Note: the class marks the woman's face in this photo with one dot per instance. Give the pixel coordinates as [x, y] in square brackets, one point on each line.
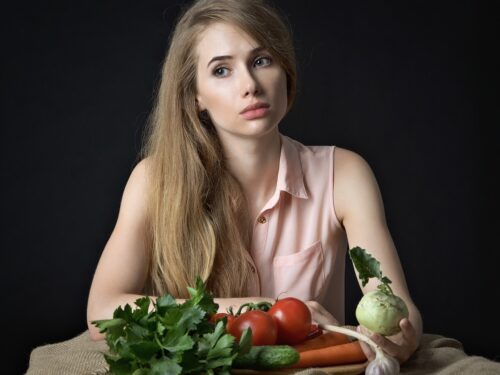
[235, 72]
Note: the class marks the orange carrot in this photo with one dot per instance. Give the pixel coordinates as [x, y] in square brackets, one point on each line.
[333, 355]
[322, 341]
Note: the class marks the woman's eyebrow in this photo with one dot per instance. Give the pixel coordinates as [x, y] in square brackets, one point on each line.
[218, 58]
[228, 57]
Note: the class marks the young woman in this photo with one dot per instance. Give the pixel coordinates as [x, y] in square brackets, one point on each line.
[221, 193]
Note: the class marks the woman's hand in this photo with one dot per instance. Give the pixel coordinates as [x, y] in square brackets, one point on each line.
[400, 346]
[320, 315]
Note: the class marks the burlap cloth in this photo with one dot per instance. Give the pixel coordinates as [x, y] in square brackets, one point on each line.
[82, 356]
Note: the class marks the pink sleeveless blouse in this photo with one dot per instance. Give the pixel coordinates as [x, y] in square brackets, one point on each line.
[298, 245]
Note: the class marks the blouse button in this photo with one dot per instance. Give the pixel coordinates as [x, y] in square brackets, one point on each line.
[262, 220]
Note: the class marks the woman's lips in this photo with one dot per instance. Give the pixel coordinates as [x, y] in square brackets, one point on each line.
[252, 114]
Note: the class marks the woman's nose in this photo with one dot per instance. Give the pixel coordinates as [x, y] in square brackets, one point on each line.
[249, 83]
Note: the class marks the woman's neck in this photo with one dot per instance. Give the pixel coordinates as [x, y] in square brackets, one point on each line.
[254, 162]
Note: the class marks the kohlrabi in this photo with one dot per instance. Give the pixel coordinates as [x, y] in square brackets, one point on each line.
[380, 310]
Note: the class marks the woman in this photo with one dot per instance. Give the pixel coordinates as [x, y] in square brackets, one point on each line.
[220, 193]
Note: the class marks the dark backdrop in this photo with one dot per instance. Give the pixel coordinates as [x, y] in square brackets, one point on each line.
[397, 83]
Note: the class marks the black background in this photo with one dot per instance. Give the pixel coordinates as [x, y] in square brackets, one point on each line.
[397, 83]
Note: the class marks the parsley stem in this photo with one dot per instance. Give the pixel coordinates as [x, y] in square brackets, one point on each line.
[159, 344]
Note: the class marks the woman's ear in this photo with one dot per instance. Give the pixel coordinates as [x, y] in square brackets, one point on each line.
[200, 105]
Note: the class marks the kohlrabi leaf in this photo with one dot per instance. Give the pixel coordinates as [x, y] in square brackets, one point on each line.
[368, 267]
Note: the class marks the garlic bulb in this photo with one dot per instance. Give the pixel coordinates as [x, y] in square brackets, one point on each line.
[383, 364]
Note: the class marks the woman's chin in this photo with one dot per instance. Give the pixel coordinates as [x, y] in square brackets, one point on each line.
[249, 129]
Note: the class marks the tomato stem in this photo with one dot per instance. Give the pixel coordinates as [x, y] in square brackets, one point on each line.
[238, 313]
[263, 306]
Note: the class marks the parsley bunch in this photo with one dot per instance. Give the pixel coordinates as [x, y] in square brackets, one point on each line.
[172, 338]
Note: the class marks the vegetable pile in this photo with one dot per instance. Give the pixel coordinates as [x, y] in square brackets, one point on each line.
[190, 338]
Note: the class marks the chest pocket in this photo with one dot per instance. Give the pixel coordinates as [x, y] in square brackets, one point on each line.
[301, 274]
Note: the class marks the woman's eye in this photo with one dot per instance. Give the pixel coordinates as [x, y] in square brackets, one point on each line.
[221, 72]
[263, 61]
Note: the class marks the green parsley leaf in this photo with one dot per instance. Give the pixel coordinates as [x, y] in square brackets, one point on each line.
[119, 366]
[113, 326]
[178, 343]
[199, 297]
[163, 303]
[245, 341]
[123, 313]
[142, 371]
[144, 350]
[191, 363]
[191, 316]
[143, 308]
[165, 366]
[222, 348]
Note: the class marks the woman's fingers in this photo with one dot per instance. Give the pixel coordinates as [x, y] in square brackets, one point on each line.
[389, 347]
[408, 339]
[367, 349]
[400, 346]
[321, 315]
[409, 333]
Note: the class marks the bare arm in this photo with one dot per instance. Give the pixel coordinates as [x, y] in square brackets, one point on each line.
[360, 209]
[121, 272]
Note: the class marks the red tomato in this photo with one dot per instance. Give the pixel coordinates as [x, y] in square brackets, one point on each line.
[264, 330]
[218, 316]
[293, 319]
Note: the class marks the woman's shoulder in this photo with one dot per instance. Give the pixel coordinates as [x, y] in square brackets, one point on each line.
[342, 155]
[349, 161]
[140, 171]
[354, 182]
[351, 171]
[347, 164]
[136, 187]
[142, 165]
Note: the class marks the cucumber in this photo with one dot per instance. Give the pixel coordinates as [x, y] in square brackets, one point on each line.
[267, 357]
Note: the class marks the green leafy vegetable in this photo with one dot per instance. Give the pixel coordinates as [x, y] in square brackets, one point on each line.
[378, 310]
[369, 267]
[245, 342]
[172, 338]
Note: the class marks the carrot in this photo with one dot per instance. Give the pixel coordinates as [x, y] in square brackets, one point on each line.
[333, 355]
[322, 341]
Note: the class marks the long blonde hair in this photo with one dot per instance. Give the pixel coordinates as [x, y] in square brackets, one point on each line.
[197, 213]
